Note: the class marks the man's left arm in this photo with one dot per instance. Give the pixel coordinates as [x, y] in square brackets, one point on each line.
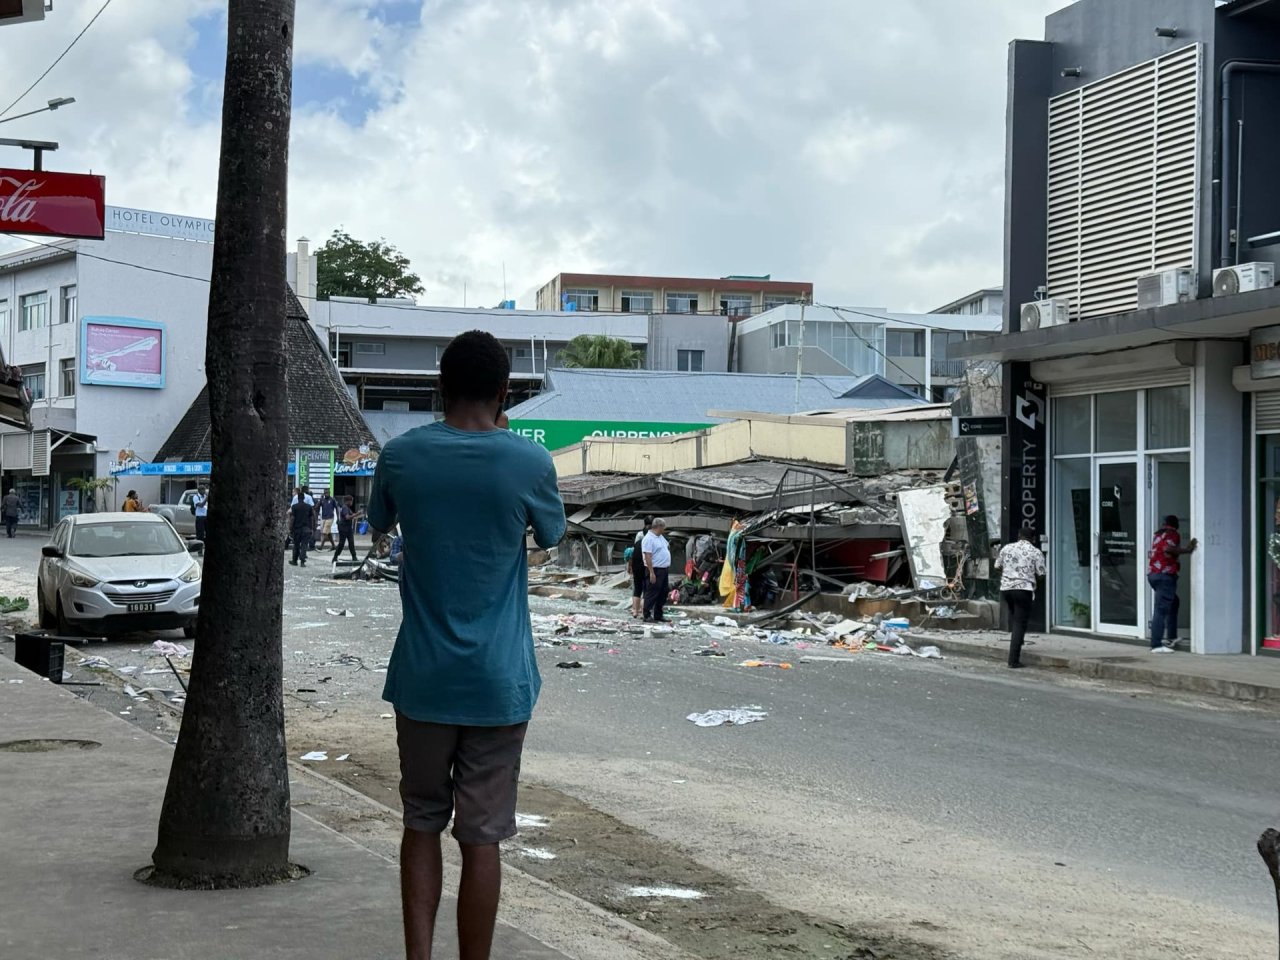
[546, 511]
[381, 511]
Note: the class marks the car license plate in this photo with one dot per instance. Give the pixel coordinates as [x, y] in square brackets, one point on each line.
[142, 608]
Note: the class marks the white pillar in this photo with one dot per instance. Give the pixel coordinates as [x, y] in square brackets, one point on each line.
[1218, 616]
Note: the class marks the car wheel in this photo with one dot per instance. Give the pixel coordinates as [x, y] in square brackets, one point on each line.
[65, 626]
[189, 631]
[47, 620]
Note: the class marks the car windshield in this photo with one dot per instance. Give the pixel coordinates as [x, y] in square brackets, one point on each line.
[124, 539]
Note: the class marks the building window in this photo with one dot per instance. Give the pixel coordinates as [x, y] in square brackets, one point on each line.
[33, 380]
[374, 349]
[779, 300]
[779, 333]
[70, 312]
[580, 300]
[904, 343]
[690, 361]
[637, 301]
[682, 303]
[35, 310]
[344, 355]
[943, 366]
[67, 369]
[736, 304]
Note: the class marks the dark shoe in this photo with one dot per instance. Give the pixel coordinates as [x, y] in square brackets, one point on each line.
[1016, 666]
[293, 563]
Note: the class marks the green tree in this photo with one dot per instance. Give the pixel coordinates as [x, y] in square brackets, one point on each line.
[347, 267]
[595, 352]
[225, 817]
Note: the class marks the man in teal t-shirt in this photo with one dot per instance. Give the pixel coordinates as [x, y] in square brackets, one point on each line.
[462, 675]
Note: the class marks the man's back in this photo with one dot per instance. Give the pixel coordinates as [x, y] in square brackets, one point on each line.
[464, 654]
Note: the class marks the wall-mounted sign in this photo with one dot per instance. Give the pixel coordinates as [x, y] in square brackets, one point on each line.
[122, 352]
[314, 467]
[555, 434]
[156, 224]
[357, 462]
[133, 467]
[52, 204]
[1264, 353]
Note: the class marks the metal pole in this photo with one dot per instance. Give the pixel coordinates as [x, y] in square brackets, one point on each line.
[799, 359]
[1239, 245]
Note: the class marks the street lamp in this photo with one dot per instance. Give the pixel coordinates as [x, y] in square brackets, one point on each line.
[54, 104]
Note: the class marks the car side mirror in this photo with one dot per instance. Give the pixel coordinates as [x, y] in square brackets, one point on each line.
[49, 550]
[196, 547]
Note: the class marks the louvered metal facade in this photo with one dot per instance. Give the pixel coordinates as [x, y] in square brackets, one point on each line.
[1123, 182]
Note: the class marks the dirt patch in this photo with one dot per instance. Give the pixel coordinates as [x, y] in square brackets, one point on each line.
[661, 888]
[47, 746]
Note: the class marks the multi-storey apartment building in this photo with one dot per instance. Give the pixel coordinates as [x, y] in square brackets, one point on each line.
[735, 296]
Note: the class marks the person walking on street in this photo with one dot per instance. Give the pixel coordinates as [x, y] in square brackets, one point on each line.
[657, 564]
[1163, 567]
[639, 576]
[328, 510]
[11, 507]
[302, 517]
[200, 507]
[463, 677]
[346, 532]
[1020, 564]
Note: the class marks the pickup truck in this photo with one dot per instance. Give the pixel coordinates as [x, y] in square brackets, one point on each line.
[179, 514]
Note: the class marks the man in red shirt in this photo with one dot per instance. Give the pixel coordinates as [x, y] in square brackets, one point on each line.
[1163, 566]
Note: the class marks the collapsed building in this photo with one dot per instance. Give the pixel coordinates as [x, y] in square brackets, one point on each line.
[864, 502]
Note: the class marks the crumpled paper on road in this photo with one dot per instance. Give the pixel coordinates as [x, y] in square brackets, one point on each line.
[734, 716]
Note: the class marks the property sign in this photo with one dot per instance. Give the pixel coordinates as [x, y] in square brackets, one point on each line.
[122, 352]
[556, 434]
[52, 204]
[1264, 353]
[979, 426]
[155, 224]
[1026, 462]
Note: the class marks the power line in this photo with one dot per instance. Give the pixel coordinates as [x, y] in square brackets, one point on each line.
[854, 331]
[37, 80]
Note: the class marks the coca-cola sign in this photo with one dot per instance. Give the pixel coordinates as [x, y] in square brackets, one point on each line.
[52, 204]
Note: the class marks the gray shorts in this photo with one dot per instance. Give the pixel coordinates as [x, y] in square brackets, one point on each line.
[469, 773]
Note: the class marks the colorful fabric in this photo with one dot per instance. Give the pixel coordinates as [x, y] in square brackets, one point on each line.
[1020, 564]
[1160, 560]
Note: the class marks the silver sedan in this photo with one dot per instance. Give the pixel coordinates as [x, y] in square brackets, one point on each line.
[116, 572]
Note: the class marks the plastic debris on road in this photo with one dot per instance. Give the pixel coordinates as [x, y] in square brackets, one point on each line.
[536, 853]
[765, 663]
[665, 893]
[723, 621]
[164, 648]
[734, 716]
[531, 821]
[315, 755]
[570, 665]
[338, 613]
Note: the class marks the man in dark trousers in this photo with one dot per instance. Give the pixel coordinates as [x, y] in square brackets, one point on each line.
[11, 508]
[346, 528]
[328, 511]
[1164, 563]
[200, 510]
[302, 526]
[462, 676]
[657, 563]
[1020, 564]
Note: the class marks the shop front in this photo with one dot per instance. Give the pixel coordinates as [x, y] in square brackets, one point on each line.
[1260, 380]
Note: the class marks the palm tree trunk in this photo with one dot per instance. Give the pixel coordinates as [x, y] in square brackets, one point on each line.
[225, 819]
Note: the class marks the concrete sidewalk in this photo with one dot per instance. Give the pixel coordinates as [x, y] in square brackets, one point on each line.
[1237, 677]
[79, 819]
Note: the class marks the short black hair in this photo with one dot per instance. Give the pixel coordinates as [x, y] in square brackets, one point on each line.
[474, 367]
[1026, 533]
[1171, 521]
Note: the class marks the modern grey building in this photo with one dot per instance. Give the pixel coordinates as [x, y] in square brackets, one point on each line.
[1142, 328]
[914, 350]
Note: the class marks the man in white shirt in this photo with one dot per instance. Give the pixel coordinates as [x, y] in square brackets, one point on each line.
[1020, 564]
[200, 508]
[657, 563]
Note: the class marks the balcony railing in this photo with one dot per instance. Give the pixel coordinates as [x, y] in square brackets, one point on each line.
[953, 369]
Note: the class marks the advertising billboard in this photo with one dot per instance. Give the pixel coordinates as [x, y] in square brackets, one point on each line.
[122, 352]
[556, 434]
[52, 204]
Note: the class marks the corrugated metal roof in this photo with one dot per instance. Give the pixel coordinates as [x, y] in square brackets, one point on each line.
[652, 396]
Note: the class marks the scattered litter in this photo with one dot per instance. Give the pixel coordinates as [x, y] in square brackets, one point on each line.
[96, 663]
[345, 756]
[16, 680]
[723, 621]
[338, 613]
[929, 653]
[665, 893]
[679, 781]
[315, 755]
[305, 690]
[712, 632]
[165, 648]
[531, 821]
[127, 671]
[813, 658]
[570, 665]
[765, 663]
[736, 716]
[386, 716]
[536, 853]
[710, 653]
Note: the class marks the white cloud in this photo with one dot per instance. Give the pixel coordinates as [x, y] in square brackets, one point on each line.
[856, 144]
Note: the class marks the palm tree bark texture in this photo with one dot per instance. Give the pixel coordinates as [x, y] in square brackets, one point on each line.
[225, 819]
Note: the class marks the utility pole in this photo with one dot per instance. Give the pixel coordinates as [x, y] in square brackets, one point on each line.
[799, 359]
[225, 817]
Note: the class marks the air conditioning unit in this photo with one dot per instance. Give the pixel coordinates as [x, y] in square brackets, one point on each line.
[1044, 313]
[1159, 289]
[1242, 278]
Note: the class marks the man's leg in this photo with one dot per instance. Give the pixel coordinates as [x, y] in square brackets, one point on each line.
[1019, 602]
[351, 543]
[421, 877]
[660, 594]
[202, 525]
[648, 597]
[1160, 609]
[294, 560]
[486, 775]
[1171, 617]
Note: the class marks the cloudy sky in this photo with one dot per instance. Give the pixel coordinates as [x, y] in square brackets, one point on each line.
[854, 143]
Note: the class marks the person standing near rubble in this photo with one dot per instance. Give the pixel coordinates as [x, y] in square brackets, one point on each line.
[657, 563]
[302, 520]
[200, 510]
[11, 507]
[346, 528]
[639, 576]
[463, 677]
[1020, 564]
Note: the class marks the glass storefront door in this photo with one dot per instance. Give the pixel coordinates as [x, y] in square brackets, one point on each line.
[1116, 552]
[1171, 496]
